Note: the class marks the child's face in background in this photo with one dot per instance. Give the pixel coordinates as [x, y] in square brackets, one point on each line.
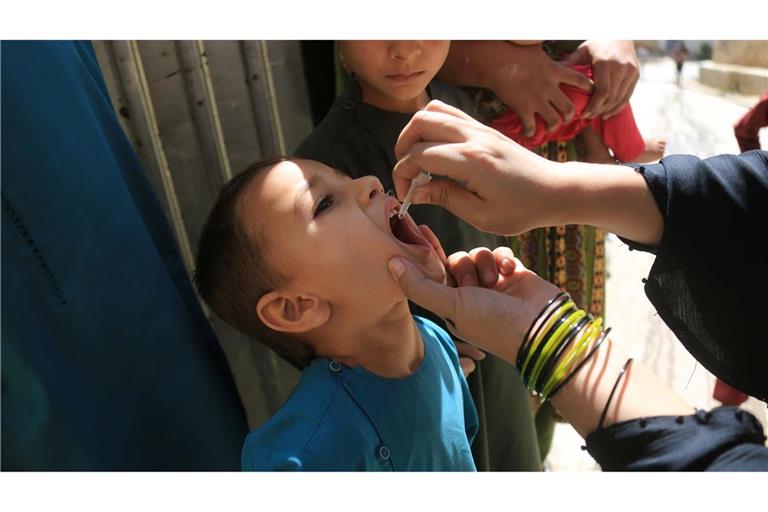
[330, 235]
[393, 73]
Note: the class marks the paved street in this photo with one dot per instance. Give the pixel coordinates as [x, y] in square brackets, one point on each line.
[694, 120]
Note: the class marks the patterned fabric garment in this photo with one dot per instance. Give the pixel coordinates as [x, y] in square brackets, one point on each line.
[572, 257]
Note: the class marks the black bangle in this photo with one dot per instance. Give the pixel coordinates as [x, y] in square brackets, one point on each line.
[550, 365]
[581, 364]
[548, 309]
[610, 397]
[538, 322]
[544, 339]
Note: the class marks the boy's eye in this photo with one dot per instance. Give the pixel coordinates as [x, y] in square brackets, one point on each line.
[325, 203]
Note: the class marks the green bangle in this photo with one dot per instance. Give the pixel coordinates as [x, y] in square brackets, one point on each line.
[533, 331]
[590, 335]
[561, 311]
[563, 348]
[553, 342]
[542, 341]
[580, 365]
[566, 357]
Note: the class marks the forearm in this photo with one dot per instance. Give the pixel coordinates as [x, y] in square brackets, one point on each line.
[581, 401]
[610, 197]
[640, 393]
[475, 63]
[583, 398]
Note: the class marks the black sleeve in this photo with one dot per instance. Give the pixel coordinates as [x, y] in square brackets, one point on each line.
[710, 278]
[724, 439]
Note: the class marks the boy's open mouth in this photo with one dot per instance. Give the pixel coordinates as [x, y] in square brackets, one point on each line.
[406, 230]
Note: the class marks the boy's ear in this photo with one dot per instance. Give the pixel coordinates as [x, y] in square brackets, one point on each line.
[291, 312]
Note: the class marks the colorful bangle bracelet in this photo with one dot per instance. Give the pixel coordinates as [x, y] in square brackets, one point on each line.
[552, 342]
[536, 325]
[579, 347]
[561, 367]
[536, 344]
[591, 353]
[552, 325]
[548, 372]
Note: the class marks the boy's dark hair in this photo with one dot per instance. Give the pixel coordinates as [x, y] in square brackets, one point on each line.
[233, 271]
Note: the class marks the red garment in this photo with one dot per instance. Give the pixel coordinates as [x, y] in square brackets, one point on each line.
[620, 133]
[747, 127]
[727, 395]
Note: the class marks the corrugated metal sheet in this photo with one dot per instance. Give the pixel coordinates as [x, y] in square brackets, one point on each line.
[198, 112]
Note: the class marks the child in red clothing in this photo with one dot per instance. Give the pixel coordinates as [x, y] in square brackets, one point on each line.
[618, 133]
[747, 128]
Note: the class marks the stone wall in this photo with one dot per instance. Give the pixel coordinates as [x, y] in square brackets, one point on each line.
[737, 66]
[741, 53]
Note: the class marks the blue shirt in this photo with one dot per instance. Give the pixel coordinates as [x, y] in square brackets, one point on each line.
[348, 419]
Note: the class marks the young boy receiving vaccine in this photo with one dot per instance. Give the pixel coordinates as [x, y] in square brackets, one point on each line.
[390, 81]
[295, 254]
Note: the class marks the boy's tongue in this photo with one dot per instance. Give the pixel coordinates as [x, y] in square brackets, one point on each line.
[408, 232]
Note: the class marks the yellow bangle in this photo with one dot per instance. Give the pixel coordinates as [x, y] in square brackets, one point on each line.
[591, 333]
[573, 342]
[579, 347]
[553, 342]
[544, 330]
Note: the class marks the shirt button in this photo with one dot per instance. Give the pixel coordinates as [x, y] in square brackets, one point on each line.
[383, 453]
[334, 366]
[348, 104]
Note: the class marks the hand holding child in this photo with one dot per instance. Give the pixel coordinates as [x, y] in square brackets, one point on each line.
[615, 71]
[494, 317]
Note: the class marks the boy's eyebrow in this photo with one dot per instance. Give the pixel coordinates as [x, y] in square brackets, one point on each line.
[310, 184]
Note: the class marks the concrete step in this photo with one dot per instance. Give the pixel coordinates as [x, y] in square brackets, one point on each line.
[730, 77]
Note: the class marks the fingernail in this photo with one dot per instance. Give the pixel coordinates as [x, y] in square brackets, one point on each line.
[482, 356]
[489, 277]
[507, 266]
[396, 268]
[467, 281]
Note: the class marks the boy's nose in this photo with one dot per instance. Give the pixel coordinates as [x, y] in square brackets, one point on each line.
[405, 50]
[367, 188]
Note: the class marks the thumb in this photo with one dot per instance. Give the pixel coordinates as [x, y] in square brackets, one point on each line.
[436, 297]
